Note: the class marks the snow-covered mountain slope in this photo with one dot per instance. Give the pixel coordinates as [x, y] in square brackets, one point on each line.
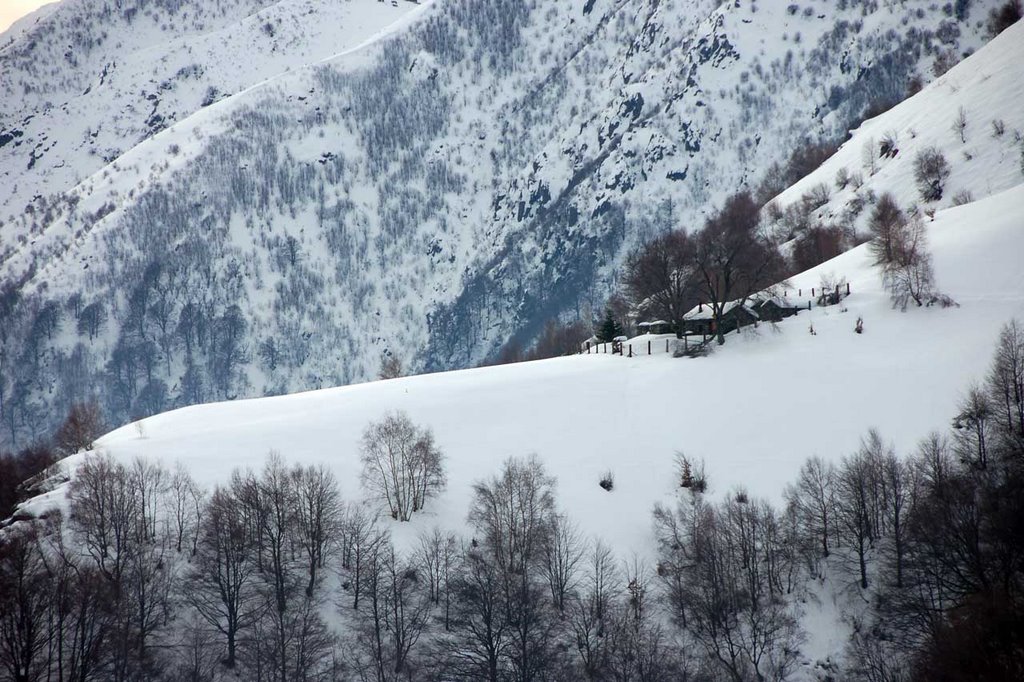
[754, 410]
[982, 95]
[435, 193]
[85, 81]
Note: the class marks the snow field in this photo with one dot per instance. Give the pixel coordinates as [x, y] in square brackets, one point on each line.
[754, 410]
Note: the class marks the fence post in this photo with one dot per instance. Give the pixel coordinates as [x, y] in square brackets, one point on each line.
[812, 292]
[847, 288]
[808, 305]
[648, 347]
[630, 350]
[666, 345]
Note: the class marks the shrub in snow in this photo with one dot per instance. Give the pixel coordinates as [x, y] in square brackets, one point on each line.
[818, 195]
[962, 197]
[607, 481]
[888, 148]
[842, 178]
[691, 474]
[931, 170]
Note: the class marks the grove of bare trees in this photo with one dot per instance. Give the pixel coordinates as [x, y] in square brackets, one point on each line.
[729, 258]
[273, 576]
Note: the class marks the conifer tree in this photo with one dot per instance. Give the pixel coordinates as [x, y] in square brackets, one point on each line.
[609, 327]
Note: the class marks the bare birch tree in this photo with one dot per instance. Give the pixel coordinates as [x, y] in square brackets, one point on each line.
[401, 464]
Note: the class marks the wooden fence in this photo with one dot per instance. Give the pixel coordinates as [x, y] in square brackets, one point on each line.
[636, 348]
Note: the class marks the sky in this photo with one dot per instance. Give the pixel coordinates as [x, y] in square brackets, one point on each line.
[12, 10]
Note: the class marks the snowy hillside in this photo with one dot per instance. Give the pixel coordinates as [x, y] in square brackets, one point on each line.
[754, 410]
[981, 95]
[87, 80]
[440, 191]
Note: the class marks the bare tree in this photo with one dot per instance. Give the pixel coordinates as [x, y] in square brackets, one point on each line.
[196, 656]
[285, 516]
[1002, 17]
[318, 514]
[104, 510]
[972, 428]
[83, 425]
[733, 259]
[222, 587]
[886, 228]
[637, 645]
[83, 610]
[438, 555]
[563, 553]
[24, 605]
[814, 498]
[479, 644]
[117, 514]
[281, 568]
[186, 506]
[857, 497]
[401, 464]
[959, 126]
[514, 517]
[899, 490]
[659, 277]
[717, 563]
[591, 615]
[394, 614]
[909, 275]
[1005, 388]
[359, 537]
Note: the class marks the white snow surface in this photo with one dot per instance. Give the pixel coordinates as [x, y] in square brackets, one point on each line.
[754, 410]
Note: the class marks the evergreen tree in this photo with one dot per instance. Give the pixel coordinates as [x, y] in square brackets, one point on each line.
[609, 327]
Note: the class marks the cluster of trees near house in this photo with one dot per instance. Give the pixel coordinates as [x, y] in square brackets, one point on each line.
[729, 258]
[272, 575]
[734, 257]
